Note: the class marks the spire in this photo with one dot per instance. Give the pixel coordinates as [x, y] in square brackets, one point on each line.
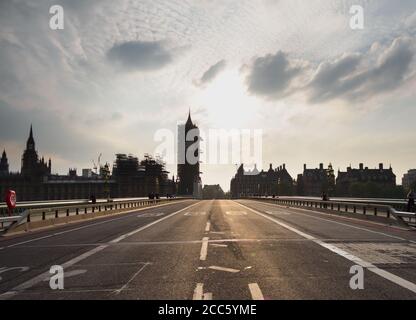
[30, 141]
[189, 121]
[4, 155]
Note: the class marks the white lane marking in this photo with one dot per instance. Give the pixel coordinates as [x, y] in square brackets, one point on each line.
[277, 213]
[124, 236]
[208, 226]
[218, 245]
[150, 214]
[118, 291]
[39, 278]
[89, 225]
[223, 269]
[255, 291]
[208, 296]
[235, 213]
[195, 214]
[218, 232]
[204, 249]
[5, 269]
[344, 224]
[384, 274]
[198, 292]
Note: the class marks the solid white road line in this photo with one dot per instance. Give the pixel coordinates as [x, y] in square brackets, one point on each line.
[223, 269]
[208, 226]
[204, 249]
[30, 283]
[382, 273]
[255, 291]
[198, 292]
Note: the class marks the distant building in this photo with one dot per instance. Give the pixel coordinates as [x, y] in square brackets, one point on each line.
[314, 182]
[130, 178]
[189, 180]
[265, 183]
[213, 192]
[409, 179]
[379, 178]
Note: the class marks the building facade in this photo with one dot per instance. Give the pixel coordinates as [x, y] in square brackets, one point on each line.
[315, 182]
[130, 178]
[352, 181]
[188, 178]
[273, 182]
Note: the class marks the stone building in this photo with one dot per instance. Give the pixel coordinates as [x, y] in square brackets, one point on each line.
[379, 178]
[265, 183]
[314, 182]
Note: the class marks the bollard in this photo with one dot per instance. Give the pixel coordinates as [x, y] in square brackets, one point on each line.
[43, 215]
[56, 213]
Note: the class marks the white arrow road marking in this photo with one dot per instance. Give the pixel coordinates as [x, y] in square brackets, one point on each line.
[5, 269]
[255, 291]
[195, 213]
[223, 269]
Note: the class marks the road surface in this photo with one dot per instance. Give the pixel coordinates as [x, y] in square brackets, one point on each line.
[214, 249]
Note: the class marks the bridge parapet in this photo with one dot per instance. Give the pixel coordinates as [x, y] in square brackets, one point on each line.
[36, 217]
[405, 219]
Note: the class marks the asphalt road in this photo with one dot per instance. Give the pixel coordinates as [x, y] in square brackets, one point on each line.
[212, 250]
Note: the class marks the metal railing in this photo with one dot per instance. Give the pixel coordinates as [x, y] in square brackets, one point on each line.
[35, 213]
[365, 208]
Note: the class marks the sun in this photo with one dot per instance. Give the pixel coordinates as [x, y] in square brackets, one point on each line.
[227, 101]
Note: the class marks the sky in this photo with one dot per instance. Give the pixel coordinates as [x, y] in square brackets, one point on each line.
[119, 71]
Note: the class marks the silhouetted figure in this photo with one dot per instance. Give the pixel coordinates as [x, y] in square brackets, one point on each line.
[411, 201]
[93, 199]
[325, 198]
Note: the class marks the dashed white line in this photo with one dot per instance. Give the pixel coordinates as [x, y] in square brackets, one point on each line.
[204, 249]
[255, 291]
[382, 273]
[198, 292]
[208, 226]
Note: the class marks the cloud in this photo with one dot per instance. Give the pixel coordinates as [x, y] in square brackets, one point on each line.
[361, 76]
[350, 77]
[140, 55]
[271, 76]
[211, 73]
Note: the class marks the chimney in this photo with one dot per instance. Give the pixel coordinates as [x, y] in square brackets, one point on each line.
[271, 166]
[361, 166]
[321, 166]
[380, 166]
[284, 166]
[304, 167]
